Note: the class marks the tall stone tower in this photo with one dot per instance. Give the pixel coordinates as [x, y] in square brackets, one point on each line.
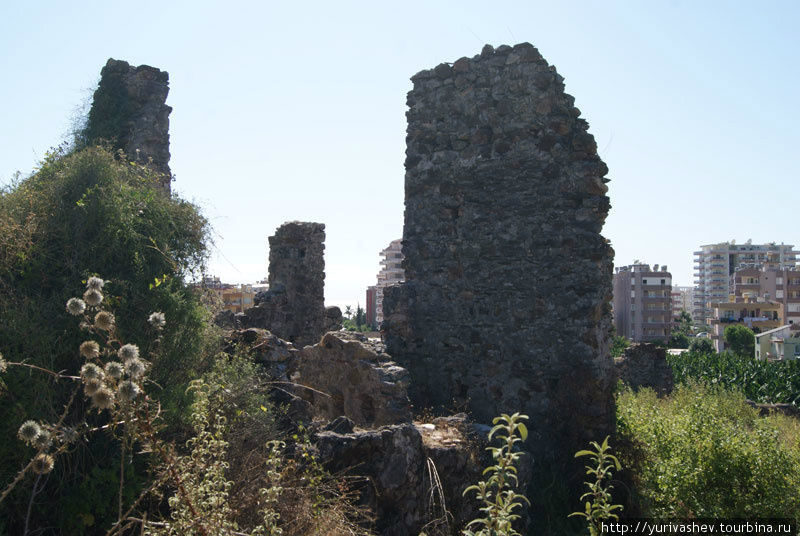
[506, 305]
[129, 111]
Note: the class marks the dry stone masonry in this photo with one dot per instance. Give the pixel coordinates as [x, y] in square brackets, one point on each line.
[129, 111]
[645, 365]
[506, 304]
[294, 306]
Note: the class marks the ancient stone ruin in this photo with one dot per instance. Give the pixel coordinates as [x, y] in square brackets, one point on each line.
[294, 306]
[508, 279]
[129, 111]
[645, 365]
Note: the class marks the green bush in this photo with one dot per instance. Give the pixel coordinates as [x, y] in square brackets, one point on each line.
[678, 340]
[618, 345]
[701, 345]
[84, 213]
[704, 452]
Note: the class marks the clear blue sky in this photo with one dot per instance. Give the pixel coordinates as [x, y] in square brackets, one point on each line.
[296, 111]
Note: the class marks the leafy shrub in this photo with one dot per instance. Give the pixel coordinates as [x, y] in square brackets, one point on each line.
[618, 345]
[701, 345]
[704, 452]
[678, 340]
[81, 214]
[761, 381]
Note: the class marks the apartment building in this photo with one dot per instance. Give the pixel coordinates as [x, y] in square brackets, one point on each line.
[781, 285]
[236, 298]
[391, 273]
[643, 302]
[716, 263]
[755, 313]
[681, 300]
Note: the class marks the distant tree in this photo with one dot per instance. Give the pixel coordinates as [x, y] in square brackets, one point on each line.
[361, 316]
[684, 323]
[701, 346]
[678, 340]
[659, 342]
[740, 339]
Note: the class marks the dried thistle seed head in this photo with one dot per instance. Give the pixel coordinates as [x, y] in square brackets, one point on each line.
[95, 283]
[42, 441]
[90, 349]
[92, 385]
[127, 391]
[114, 369]
[90, 371]
[136, 368]
[3, 364]
[69, 434]
[128, 352]
[42, 464]
[103, 398]
[28, 431]
[157, 320]
[92, 297]
[104, 320]
[76, 306]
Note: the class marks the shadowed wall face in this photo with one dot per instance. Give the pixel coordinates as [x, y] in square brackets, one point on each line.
[297, 273]
[506, 304]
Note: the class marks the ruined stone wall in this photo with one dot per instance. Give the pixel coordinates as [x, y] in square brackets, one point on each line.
[294, 306]
[645, 365]
[506, 304]
[129, 110]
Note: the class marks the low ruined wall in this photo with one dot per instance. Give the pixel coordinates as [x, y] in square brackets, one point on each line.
[645, 365]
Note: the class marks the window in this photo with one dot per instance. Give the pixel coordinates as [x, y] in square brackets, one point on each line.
[663, 281]
[644, 281]
[633, 294]
[779, 294]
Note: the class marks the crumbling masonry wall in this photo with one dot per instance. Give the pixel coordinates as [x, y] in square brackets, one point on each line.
[506, 304]
[129, 111]
[294, 306]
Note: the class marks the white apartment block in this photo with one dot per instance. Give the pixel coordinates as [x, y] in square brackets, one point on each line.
[391, 273]
[716, 263]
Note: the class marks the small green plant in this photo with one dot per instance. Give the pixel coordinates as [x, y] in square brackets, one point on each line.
[497, 493]
[598, 506]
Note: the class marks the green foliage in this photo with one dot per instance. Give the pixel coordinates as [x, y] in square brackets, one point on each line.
[618, 345]
[704, 452]
[761, 381]
[80, 214]
[678, 340]
[701, 345]
[109, 115]
[741, 340]
[599, 508]
[355, 321]
[684, 323]
[497, 493]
